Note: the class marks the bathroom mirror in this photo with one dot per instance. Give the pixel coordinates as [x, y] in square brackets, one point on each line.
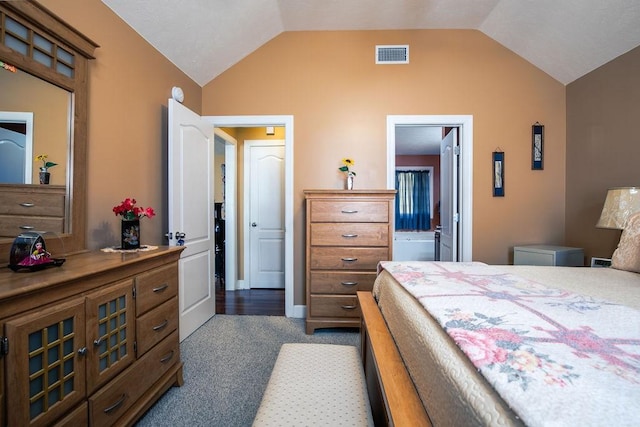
[48, 61]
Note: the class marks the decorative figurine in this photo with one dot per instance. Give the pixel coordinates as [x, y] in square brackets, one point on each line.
[29, 251]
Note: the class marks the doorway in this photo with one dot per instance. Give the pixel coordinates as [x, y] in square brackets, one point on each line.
[462, 214]
[231, 261]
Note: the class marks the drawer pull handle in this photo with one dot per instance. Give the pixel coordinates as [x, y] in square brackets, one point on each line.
[160, 288]
[116, 405]
[161, 326]
[27, 205]
[349, 307]
[349, 212]
[27, 227]
[349, 283]
[349, 259]
[167, 357]
[349, 235]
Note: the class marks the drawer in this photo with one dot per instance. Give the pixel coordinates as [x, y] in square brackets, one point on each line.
[156, 324]
[349, 234]
[32, 204]
[340, 282]
[339, 258]
[13, 225]
[112, 401]
[349, 211]
[77, 417]
[334, 306]
[155, 287]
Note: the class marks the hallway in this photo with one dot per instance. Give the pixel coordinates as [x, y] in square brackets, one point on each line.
[265, 302]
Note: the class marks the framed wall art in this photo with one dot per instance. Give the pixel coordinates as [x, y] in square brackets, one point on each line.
[537, 146]
[498, 173]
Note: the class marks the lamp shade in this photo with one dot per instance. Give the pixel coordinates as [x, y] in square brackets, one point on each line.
[620, 204]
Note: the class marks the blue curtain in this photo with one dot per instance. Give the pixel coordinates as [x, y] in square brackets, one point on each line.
[412, 200]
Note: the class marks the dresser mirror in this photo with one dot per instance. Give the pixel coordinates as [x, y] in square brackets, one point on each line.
[43, 80]
[35, 119]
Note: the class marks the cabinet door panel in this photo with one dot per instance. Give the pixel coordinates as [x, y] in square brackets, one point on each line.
[110, 332]
[48, 373]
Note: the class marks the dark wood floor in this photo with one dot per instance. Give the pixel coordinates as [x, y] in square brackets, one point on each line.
[265, 302]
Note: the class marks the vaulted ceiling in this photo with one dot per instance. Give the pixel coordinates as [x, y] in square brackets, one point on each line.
[565, 38]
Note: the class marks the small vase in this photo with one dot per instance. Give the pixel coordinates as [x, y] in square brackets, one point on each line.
[130, 234]
[44, 176]
[349, 183]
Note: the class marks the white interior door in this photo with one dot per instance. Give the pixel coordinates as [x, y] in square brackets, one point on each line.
[449, 197]
[266, 213]
[190, 200]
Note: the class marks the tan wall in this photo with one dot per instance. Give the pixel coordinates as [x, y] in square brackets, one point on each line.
[340, 99]
[603, 148]
[129, 85]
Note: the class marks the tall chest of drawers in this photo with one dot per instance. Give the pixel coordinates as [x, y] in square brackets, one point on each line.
[348, 233]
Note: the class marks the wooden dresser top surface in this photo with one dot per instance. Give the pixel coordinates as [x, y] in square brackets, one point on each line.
[81, 266]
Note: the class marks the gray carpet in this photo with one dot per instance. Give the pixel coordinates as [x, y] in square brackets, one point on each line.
[227, 363]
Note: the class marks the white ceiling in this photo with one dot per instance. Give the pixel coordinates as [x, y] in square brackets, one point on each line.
[565, 38]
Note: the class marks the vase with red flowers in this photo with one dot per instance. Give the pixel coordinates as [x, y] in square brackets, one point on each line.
[130, 224]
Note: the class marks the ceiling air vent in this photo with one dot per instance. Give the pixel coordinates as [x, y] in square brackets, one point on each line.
[397, 54]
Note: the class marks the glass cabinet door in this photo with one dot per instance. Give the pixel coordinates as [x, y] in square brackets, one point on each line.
[110, 333]
[46, 360]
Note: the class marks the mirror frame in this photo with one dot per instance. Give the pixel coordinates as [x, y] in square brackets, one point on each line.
[41, 21]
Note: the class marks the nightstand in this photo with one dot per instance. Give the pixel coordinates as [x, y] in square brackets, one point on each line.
[548, 255]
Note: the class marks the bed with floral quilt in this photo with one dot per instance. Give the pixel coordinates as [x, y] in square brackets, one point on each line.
[516, 345]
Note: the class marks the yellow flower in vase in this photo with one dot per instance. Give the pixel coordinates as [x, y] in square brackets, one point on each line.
[347, 164]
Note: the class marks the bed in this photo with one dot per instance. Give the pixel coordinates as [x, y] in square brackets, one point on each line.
[560, 347]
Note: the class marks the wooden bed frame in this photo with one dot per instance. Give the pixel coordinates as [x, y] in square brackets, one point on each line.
[394, 399]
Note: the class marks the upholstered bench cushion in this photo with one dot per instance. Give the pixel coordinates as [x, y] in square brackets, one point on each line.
[316, 385]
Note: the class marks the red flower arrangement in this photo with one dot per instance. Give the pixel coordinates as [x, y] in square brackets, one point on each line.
[128, 210]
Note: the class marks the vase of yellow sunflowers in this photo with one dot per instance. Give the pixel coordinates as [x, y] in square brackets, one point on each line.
[44, 175]
[347, 163]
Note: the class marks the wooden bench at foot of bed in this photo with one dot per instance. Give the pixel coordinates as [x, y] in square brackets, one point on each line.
[394, 399]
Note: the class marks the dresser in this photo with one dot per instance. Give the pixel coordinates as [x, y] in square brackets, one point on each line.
[348, 233]
[93, 342]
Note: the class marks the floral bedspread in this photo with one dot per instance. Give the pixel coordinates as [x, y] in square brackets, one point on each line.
[556, 358]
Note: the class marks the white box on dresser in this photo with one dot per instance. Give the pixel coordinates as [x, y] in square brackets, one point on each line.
[548, 255]
[348, 233]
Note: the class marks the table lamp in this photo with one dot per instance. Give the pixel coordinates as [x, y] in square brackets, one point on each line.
[620, 204]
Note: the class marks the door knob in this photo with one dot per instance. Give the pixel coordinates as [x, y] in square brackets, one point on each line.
[253, 224]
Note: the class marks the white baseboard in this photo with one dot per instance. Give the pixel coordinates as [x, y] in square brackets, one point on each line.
[299, 312]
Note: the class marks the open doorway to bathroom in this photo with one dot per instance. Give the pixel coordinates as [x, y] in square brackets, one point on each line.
[438, 151]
